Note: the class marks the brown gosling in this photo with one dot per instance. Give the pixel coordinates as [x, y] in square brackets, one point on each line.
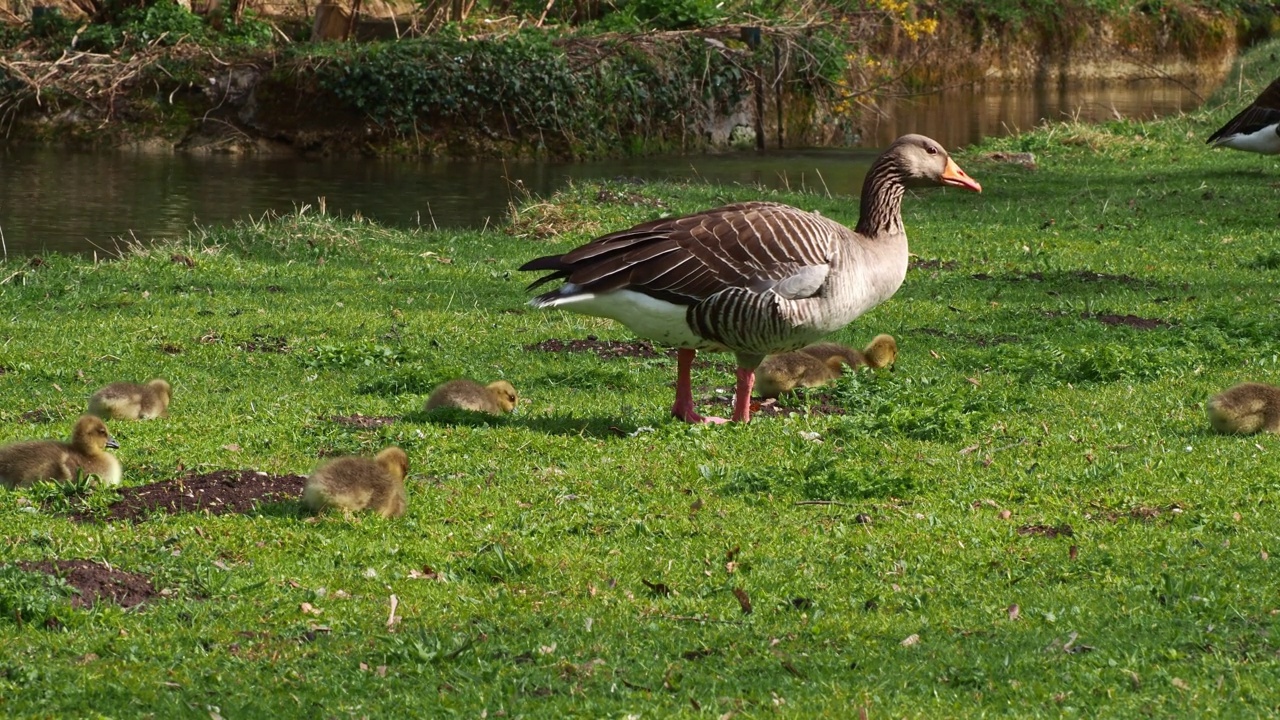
[1246, 408]
[881, 352]
[496, 398]
[23, 463]
[785, 372]
[352, 484]
[131, 401]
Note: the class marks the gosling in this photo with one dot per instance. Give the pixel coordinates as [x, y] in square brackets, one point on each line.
[787, 371]
[23, 463]
[1245, 409]
[496, 398]
[131, 401]
[881, 352]
[352, 484]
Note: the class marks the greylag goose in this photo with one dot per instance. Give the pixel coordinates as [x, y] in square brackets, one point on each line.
[496, 398]
[1255, 128]
[352, 484]
[1245, 409]
[751, 278]
[881, 352]
[23, 463]
[131, 401]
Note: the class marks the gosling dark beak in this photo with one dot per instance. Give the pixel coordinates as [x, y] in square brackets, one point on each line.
[952, 175]
[111, 442]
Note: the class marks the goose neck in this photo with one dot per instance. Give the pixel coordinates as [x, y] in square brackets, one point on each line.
[881, 209]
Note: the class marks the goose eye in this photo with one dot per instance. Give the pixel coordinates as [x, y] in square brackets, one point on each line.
[932, 150]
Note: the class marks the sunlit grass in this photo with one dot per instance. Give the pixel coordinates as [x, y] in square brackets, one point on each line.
[1029, 517]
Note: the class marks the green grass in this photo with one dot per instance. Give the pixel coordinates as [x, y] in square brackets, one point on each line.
[549, 530]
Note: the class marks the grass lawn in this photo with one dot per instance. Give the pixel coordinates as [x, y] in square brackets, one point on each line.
[1029, 517]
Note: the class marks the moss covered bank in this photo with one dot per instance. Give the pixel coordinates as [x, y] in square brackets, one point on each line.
[515, 91]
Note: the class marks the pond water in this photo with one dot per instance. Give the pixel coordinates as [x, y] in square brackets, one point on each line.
[85, 202]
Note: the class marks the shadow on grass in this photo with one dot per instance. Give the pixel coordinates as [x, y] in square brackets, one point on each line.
[597, 427]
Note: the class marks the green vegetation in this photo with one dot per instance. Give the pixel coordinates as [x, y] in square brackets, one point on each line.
[1034, 519]
[507, 78]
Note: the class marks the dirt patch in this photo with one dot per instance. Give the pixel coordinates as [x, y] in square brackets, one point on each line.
[366, 422]
[604, 349]
[217, 493]
[265, 344]
[1022, 159]
[96, 582]
[1048, 531]
[1087, 276]
[1132, 321]
[39, 415]
[933, 264]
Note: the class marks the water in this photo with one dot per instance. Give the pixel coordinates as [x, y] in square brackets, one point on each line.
[82, 202]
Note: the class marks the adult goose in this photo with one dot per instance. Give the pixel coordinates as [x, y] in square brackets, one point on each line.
[751, 278]
[1255, 128]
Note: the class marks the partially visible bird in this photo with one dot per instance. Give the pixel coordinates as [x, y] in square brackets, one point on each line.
[29, 461]
[496, 398]
[1245, 409]
[355, 483]
[753, 278]
[131, 401]
[881, 352]
[1255, 128]
[785, 372]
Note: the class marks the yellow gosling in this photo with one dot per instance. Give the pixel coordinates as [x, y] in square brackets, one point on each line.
[23, 463]
[131, 401]
[881, 352]
[785, 372]
[352, 484]
[496, 398]
[1245, 409]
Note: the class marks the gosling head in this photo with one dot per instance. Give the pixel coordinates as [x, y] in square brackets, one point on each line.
[395, 461]
[504, 394]
[162, 389]
[882, 352]
[90, 435]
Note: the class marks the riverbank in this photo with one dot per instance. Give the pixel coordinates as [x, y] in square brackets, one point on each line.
[554, 93]
[1028, 517]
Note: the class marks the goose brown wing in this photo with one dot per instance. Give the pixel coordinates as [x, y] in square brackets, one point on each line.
[753, 246]
[1263, 111]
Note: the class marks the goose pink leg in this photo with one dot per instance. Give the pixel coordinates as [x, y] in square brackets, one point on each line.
[684, 408]
[742, 394]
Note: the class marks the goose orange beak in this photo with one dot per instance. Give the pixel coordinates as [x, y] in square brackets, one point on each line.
[952, 175]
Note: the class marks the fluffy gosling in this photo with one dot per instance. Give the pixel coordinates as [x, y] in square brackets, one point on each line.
[131, 401]
[787, 371]
[26, 462]
[496, 398]
[352, 484]
[1246, 408]
[881, 352]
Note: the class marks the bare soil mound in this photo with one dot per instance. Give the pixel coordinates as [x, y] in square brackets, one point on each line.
[96, 582]
[217, 493]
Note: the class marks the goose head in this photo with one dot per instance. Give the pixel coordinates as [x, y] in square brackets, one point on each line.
[922, 161]
[504, 394]
[90, 436]
[395, 461]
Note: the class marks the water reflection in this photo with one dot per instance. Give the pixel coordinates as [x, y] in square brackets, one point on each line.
[69, 201]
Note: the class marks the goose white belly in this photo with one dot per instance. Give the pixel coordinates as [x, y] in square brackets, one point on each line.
[1265, 141]
[647, 316]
